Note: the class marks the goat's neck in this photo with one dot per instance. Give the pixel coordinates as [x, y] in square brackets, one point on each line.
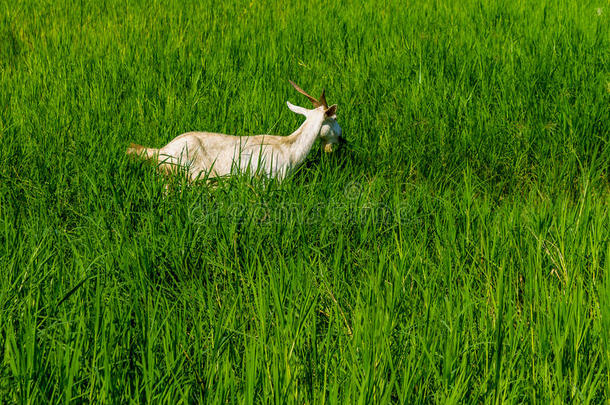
[304, 137]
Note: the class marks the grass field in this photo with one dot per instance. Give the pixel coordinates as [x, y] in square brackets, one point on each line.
[457, 251]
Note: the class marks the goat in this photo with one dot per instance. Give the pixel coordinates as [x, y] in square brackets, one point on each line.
[206, 154]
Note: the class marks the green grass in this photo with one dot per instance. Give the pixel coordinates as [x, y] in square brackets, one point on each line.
[457, 251]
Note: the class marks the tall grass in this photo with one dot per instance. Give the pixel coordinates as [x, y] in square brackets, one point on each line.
[456, 251]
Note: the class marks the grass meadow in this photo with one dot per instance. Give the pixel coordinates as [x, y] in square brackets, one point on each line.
[456, 251]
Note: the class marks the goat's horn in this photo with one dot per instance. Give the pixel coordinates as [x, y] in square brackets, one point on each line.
[315, 102]
[323, 99]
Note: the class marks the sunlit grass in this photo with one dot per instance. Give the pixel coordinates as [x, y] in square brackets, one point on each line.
[456, 251]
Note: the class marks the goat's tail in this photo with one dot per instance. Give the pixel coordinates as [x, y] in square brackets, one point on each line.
[142, 151]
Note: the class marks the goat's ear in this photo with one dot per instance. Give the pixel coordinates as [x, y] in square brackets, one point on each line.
[297, 109]
[330, 111]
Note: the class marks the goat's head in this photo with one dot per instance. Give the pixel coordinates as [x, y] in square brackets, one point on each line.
[331, 133]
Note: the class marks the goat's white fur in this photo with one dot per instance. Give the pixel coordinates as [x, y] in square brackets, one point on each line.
[205, 154]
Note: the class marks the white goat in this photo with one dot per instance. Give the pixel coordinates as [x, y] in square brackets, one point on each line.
[206, 154]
